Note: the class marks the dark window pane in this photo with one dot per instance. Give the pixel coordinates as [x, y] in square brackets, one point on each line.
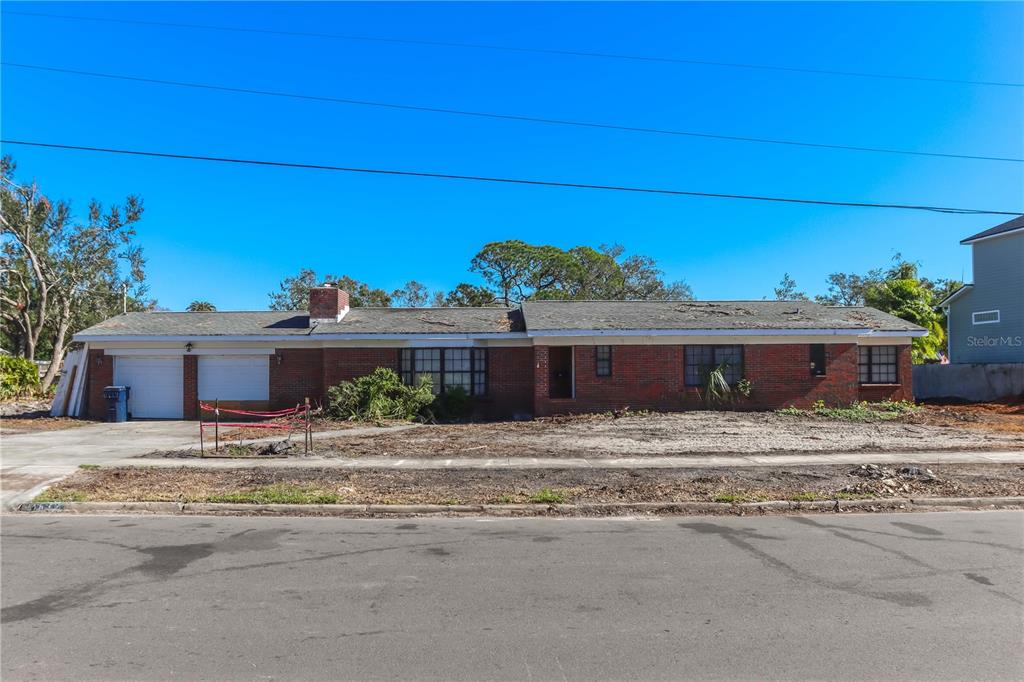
[698, 360]
[603, 360]
[878, 364]
[818, 359]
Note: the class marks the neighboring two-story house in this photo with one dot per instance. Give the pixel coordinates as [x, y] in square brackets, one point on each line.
[986, 317]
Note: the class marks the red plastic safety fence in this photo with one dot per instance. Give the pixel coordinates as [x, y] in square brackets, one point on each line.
[292, 418]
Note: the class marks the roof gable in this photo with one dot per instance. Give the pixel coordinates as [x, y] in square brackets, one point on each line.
[1005, 228]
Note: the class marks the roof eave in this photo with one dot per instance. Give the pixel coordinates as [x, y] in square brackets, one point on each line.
[953, 296]
[976, 238]
[859, 331]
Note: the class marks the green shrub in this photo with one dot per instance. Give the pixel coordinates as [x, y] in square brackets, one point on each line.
[455, 404]
[18, 377]
[378, 396]
[862, 411]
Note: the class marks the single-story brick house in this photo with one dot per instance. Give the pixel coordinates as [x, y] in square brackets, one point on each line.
[541, 358]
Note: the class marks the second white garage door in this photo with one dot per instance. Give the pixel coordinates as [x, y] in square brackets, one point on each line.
[234, 377]
[155, 384]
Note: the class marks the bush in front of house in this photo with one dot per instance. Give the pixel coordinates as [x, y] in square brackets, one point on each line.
[378, 396]
[18, 377]
[455, 404]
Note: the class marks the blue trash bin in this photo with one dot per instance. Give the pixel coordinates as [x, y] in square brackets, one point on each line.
[117, 403]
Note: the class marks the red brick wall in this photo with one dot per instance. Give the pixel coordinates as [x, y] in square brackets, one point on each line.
[902, 391]
[345, 364]
[542, 405]
[510, 379]
[190, 387]
[643, 378]
[99, 374]
[652, 377]
[298, 375]
[781, 375]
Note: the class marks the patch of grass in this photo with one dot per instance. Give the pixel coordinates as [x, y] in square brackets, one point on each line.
[278, 493]
[451, 501]
[807, 496]
[89, 467]
[504, 499]
[862, 411]
[547, 496]
[57, 495]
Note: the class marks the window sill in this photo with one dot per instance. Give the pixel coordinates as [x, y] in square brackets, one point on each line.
[881, 385]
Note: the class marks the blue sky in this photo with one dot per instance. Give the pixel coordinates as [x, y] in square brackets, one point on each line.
[229, 234]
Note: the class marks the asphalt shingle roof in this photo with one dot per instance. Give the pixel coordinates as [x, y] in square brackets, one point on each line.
[296, 323]
[535, 316]
[684, 315]
[1009, 226]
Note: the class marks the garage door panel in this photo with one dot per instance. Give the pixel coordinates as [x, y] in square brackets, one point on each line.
[156, 385]
[245, 377]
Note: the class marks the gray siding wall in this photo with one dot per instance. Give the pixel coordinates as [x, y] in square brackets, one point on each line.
[998, 265]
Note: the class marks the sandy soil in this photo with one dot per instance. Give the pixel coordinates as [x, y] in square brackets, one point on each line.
[577, 485]
[684, 434]
[26, 416]
[1006, 416]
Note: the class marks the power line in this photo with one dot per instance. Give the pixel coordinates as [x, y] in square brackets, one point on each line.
[510, 48]
[509, 181]
[506, 117]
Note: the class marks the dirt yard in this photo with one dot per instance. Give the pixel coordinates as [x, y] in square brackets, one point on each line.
[26, 416]
[334, 486]
[692, 433]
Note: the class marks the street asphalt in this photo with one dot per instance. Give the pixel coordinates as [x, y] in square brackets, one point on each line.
[884, 596]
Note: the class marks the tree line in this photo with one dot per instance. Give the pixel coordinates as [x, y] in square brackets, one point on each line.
[61, 273]
[898, 289]
[512, 271]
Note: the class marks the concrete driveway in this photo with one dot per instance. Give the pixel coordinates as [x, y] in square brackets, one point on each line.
[30, 459]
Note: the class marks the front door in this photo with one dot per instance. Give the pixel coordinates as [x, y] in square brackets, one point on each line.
[560, 366]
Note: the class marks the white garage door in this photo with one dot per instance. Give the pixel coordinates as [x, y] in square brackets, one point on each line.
[156, 385]
[234, 377]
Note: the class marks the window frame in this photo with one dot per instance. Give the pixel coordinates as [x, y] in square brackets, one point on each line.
[715, 347]
[974, 317]
[871, 363]
[479, 364]
[598, 361]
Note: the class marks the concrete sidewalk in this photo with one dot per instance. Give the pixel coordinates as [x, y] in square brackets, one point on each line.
[687, 462]
[31, 460]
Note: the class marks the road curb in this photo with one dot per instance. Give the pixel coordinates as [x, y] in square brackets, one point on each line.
[582, 509]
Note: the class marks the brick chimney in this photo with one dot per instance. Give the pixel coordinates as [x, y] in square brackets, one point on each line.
[327, 304]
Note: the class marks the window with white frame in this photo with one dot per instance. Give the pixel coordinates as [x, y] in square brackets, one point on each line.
[878, 365]
[446, 367]
[985, 317]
